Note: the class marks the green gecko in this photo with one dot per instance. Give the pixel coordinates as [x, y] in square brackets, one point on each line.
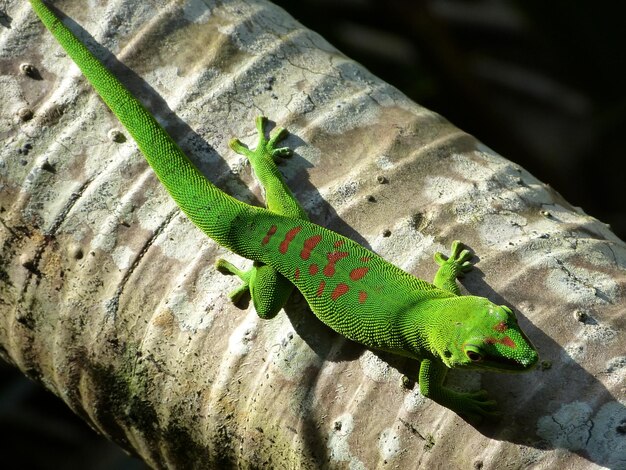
[348, 287]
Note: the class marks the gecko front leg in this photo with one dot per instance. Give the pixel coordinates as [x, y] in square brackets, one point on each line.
[453, 267]
[268, 289]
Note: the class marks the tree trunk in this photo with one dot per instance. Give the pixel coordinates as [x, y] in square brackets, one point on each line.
[110, 299]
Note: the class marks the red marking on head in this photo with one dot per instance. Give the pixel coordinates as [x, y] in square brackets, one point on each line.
[329, 269]
[506, 341]
[313, 269]
[338, 243]
[270, 232]
[339, 291]
[365, 259]
[320, 289]
[309, 244]
[362, 296]
[289, 236]
[297, 273]
[358, 273]
[501, 327]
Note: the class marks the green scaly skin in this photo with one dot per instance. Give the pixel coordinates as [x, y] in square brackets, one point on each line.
[350, 288]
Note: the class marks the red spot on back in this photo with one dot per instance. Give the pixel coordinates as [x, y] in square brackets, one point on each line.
[358, 273]
[308, 246]
[338, 243]
[320, 289]
[500, 327]
[297, 273]
[365, 259]
[329, 269]
[339, 291]
[362, 296]
[267, 237]
[289, 236]
[313, 269]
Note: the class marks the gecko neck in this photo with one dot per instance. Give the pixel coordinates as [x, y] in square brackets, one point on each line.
[430, 326]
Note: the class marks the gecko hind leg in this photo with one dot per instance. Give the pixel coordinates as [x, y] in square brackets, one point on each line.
[268, 289]
[226, 267]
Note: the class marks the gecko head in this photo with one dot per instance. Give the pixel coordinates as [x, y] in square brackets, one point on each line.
[487, 336]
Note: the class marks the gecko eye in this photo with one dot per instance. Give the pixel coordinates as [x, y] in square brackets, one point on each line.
[473, 354]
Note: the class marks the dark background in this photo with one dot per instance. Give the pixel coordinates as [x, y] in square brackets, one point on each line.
[539, 81]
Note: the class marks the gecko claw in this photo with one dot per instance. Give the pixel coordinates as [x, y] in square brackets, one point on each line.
[239, 147]
[459, 259]
[265, 147]
[282, 152]
[476, 407]
[237, 294]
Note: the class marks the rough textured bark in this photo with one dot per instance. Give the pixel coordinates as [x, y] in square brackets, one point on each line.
[109, 296]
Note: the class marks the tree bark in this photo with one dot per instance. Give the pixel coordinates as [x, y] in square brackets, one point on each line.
[109, 296]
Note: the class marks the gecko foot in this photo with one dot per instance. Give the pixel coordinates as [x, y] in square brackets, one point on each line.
[476, 406]
[459, 259]
[265, 148]
[228, 268]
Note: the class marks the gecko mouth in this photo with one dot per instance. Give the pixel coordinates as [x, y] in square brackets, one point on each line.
[505, 364]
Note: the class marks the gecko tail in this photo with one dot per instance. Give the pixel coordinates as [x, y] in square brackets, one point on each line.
[212, 210]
